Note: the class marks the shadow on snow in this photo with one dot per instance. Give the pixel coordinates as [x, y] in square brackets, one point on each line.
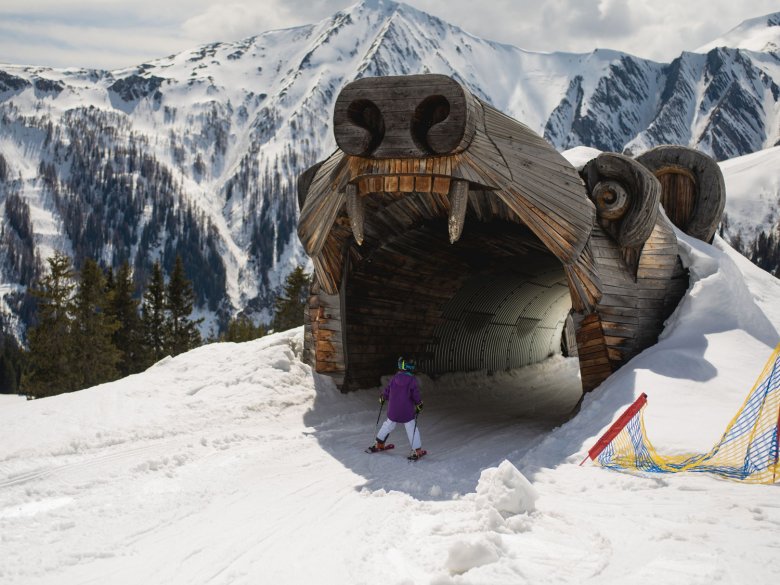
[470, 422]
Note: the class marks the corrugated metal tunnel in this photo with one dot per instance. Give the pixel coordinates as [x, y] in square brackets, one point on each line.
[495, 300]
[501, 321]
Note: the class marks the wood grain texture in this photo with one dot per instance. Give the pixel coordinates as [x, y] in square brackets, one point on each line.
[595, 364]
[635, 255]
[631, 225]
[323, 337]
[689, 174]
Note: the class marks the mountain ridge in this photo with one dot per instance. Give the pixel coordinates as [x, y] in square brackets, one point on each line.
[197, 153]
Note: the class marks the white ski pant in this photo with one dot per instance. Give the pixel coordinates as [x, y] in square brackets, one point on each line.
[389, 425]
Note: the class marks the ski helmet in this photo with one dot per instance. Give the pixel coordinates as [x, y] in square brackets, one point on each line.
[406, 364]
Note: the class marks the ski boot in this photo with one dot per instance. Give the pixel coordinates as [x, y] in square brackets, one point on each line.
[379, 446]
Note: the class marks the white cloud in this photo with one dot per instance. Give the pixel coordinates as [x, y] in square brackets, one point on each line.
[119, 33]
[655, 29]
[80, 46]
[236, 21]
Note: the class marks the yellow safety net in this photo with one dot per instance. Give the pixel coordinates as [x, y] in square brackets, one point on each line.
[747, 451]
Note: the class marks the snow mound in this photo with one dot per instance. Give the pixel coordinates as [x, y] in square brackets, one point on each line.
[579, 156]
[506, 490]
[502, 495]
[464, 556]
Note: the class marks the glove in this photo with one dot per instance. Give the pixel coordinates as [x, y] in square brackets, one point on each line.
[418, 408]
[382, 400]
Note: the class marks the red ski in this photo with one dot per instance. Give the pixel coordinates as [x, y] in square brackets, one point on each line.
[375, 449]
[416, 456]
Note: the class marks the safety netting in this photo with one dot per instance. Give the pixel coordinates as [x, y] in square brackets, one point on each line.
[747, 451]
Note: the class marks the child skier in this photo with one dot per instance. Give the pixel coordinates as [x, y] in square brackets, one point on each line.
[405, 403]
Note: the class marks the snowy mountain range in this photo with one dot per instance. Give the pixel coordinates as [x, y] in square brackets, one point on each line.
[197, 154]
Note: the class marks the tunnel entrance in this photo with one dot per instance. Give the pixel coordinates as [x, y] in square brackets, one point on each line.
[495, 300]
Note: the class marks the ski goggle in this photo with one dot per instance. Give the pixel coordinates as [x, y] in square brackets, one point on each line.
[406, 365]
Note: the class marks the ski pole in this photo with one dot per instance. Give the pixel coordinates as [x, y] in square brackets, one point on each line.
[376, 426]
[414, 432]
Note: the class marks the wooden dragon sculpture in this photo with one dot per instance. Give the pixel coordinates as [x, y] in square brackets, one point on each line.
[444, 229]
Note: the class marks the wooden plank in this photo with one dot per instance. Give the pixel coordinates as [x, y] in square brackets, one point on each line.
[649, 271]
[423, 183]
[441, 185]
[594, 375]
[406, 183]
[391, 183]
[595, 344]
[697, 200]
[330, 368]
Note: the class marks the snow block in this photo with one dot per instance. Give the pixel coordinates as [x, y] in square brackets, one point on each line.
[506, 490]
[464, 556]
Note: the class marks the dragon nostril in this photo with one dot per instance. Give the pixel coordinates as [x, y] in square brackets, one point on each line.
[432, 111]
[365, 114]
[404, 117]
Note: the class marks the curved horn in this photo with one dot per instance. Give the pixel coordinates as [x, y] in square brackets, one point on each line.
[694, 193]
[626, 195]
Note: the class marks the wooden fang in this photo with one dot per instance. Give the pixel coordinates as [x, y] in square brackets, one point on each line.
[356, 211]
[459, 200]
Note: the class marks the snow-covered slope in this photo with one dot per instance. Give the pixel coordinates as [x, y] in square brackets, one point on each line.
[755, 34]
[197, 154]
[753, 204]
[235, 464]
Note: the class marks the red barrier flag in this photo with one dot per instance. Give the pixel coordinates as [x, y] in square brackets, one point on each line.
[616, 427]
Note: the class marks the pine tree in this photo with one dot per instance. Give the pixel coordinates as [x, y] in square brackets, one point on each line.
[11, 365]
[110, 281]
[8, 380]
[242, 329]
[290, 305]
[153, 316]
[765, 251]
[51, 348]
[96, 356]
[183, 334]
[122, 307]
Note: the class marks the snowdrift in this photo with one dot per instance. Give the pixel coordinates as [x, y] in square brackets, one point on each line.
[233, 463]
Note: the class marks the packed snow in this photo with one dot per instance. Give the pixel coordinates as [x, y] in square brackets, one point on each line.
[234, 463]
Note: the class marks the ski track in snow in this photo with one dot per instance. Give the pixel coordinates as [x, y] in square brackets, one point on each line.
[235, 464]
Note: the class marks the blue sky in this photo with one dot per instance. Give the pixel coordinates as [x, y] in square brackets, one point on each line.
[120, 33]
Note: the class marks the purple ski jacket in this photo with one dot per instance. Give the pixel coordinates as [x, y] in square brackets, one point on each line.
[403, 394]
